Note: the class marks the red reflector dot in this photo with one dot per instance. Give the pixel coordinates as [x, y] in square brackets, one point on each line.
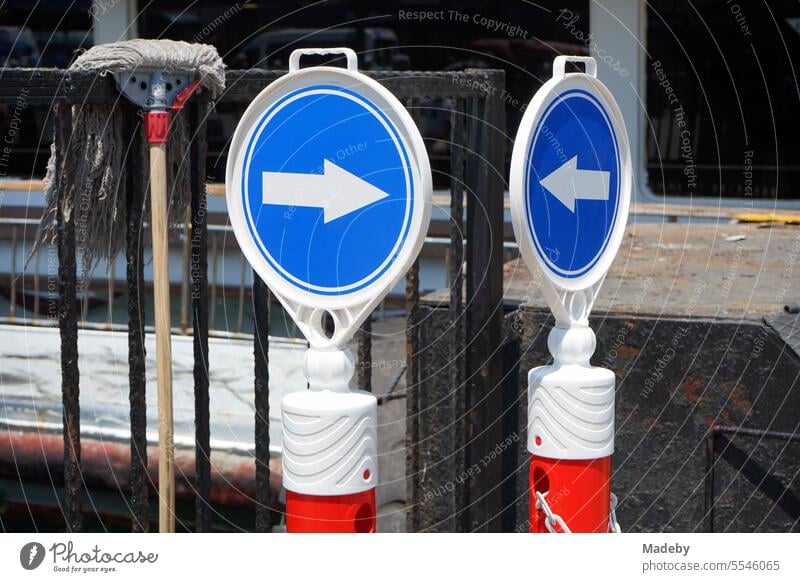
[538, 441]
[367, 475]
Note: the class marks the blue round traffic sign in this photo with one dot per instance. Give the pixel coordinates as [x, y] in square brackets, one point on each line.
[572, 183]
[327, 189]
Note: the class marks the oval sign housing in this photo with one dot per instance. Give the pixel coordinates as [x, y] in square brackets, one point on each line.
[570, 181]
[328, 187]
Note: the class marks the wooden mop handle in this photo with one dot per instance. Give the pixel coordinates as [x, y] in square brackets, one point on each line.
[166, 444]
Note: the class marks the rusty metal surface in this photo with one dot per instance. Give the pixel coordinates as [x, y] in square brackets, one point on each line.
[485, 164]
[364, 358]
[787, 325]
[456, 396]
[36, 457]
[413, 467]
[691, 270]
[261, 305]
[136, 191]
[68, 323]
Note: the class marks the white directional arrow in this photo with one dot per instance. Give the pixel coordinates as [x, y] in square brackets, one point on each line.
[568, 183]
[336, 190]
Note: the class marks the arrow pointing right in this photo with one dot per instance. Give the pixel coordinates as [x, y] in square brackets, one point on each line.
[567, 183]
[336, 191]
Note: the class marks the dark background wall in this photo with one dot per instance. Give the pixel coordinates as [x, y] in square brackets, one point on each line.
[676, 379]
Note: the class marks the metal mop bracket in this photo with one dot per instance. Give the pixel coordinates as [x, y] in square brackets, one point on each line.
[156, 91]
[153, 89]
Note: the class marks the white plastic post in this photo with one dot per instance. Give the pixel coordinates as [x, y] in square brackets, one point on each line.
[571, 173]
[330, 441]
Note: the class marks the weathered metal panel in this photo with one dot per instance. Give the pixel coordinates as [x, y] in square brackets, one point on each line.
[675, 379]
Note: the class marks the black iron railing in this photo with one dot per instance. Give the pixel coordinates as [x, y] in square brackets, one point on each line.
[477, 145]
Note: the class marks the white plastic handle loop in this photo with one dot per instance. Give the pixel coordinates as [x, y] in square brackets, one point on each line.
[560, 64]
[294, 58]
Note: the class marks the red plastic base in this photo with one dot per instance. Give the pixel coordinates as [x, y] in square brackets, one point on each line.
[579, 491]
[334, 514]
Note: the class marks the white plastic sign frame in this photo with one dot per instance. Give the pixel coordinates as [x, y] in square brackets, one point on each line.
[571, 299]
[307, 308]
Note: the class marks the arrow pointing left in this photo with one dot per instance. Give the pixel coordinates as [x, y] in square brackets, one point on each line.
[336, 191]
[568, 183]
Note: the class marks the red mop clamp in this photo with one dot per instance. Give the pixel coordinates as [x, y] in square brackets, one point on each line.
[156, 126]
[570, 189]
[156, 123]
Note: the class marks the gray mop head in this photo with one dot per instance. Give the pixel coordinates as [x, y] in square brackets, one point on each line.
[97, 195]
[171, 55]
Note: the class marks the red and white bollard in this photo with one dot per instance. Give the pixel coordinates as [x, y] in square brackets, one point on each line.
[570, 189]
[330, 456]
[570, 436]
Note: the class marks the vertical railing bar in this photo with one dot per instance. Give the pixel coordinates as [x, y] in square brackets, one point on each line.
[136, 192]
[484, 284]
[456, 281]
[198, 276]
[412, 397]
[261, 309]
[412, 379]
[364, 338]
[84, 286]
[711, 451]
[12, 306]
[111, 276]
[214, 251]
[242, 277]
[472, 422]
[68, 325]
[36, 285]
[187, 243]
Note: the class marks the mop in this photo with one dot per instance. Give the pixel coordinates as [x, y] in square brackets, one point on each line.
[158, 76]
